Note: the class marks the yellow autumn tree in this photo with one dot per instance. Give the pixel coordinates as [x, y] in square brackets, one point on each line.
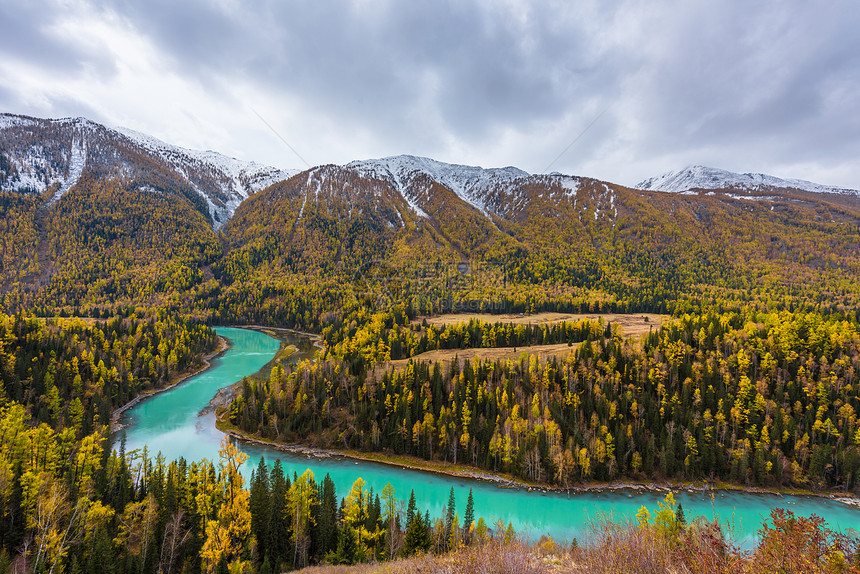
[137, 526]
[227, 535]
[303, 496]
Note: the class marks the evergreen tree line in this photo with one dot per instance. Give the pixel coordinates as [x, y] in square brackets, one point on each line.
[71, 373]
[363, 526]
[71, 505]
[751, 398]
[390, 335]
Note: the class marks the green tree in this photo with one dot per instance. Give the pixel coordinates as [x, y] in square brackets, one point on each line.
[469, 517]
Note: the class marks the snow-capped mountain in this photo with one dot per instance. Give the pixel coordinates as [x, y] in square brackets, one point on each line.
[473, 185]
[412, 207]
[701, 177]
[494, 192]
[120, 205]
[236, 179]
[50, 156]
[43, 165]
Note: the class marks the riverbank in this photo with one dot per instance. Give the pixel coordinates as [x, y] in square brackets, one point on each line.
[276, 333]
[227, 394]
[116, 426]
[504, 480]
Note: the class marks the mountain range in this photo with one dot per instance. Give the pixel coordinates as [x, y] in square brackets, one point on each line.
[100, 216]
[48, 157]
[698, 177]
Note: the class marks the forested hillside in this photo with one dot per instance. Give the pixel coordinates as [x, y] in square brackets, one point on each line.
[598, 247]
[434, 237]
[118, 253]
[71, 373]
[749, 398]
[102, 248]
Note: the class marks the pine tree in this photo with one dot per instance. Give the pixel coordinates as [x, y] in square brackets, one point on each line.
[279, 530]
[449, 515]
[374, 511]
[328, 517]
[410, 510]
[680, 518]
[469, 518]
[417, 536]
[347, 545]
[260, 503]
[265, 567]
[100, 557]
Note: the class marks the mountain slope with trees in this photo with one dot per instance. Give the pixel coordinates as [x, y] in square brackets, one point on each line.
[409, 230]
[752, 381]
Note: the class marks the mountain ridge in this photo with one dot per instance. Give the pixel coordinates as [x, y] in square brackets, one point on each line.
[469, 183]
[55, 153]
[125, 217]
[702, 177]
[49, 156]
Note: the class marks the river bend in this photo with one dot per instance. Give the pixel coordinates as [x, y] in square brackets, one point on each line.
[170, 422]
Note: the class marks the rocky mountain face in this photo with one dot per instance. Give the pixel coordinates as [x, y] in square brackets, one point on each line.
[49, 157]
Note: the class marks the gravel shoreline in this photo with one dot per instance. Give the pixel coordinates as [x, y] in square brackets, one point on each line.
[116, 426]
[505, 482]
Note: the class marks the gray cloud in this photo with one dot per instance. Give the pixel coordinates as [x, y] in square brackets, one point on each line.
[30, 35]
[749, 86]
[482, 67]
[24, 37]
[761, 82]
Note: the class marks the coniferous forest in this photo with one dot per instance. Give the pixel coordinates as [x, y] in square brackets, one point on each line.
[113, 291]
[755, 398]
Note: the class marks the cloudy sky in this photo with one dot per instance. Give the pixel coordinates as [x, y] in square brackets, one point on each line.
[619, 90]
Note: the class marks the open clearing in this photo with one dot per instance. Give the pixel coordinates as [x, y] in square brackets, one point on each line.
[66, 322]
[632, 325]
[445, 356]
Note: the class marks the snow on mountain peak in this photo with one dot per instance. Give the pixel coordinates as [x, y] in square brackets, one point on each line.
[9, 120]
[56, 153]
[77, 122]
[469, 183]
[702, 177]
[237, 179]
[225, 164]
[38, 167]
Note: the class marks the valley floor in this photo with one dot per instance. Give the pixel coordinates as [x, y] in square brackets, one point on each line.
[632, 324]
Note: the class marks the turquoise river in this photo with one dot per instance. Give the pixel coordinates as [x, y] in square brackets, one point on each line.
[171, 423]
